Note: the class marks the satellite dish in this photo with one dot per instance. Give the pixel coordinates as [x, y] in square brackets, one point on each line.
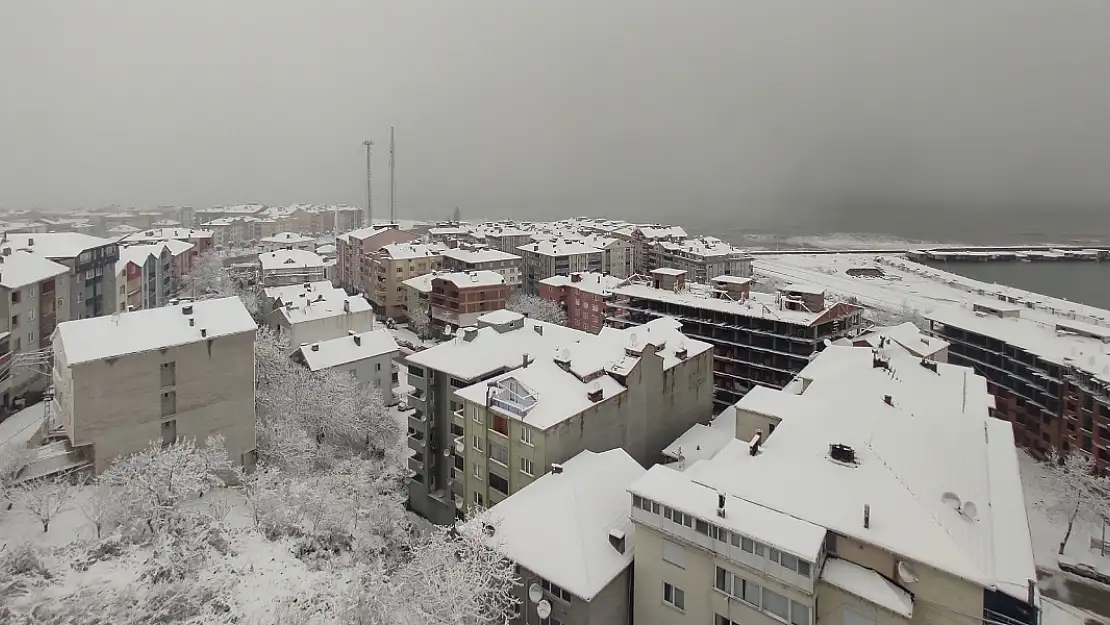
[906, 574]
[970, 510]
[543, 609]
[828, 343]
[535, 593]
[951, 500]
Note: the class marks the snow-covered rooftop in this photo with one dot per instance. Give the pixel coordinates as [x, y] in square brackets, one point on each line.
[97, 338]
[704, 247]
[589, 281]
[702, 442]
[867, 585]
[19, 269]
[758, 305]
[931, 445]
[138, 254]
[348, 349]
[293, 290]
[321, 306]
[558, 248]
[363, 233]
[653, 232]
[471, 279]
[289, 259]
[558, 526]
[411, 251]
[479, 256]
[122, 229]
[288, 238]
[53, 244]
[422, 283]
[162, 234]
[907, 336]
[669, 271]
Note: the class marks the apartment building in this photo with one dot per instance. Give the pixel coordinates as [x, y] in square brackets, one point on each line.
[231, 211]
[1047, 373]
[284, 267]
[146, 276]
[311, 317]
[391, 265]
[758, 338]
[907, 336]
[469, 257]
[617, 254]
[572, 542]
[702, 259]
[513, 396]
[179, 371]
[559, 257]
[504, 238]
[288, 241]
[643, 237]
[895, 498]
[354, 251]
[33, 290]
[368, 356]
[583, 296]
[92, 284]
[201, 239]
[451, 234]
[459, 298]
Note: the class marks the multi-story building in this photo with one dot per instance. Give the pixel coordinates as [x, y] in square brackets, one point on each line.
[201, 239]
[288, 241]
[355, 249]
[579, 511]
[222, 212]
[391, 266]
[617, 254]
[368, 356]
[451, 234]
[1047, 373]
[758, 338]
[145, 276]
[33, 292]
[313, 316]
[161, 374]
[907, 336]
[418, 293]
[583, 296]
[641, 238]
[284, 267]
[92, 284]
[469, 257]
[505, 238]
[703, 259]
[552, 392]
[459, 298]
[560, 257]
[885, 493]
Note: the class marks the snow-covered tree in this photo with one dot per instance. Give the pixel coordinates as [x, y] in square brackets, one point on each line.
[1080, 493]
[46, 498]
[209, 279]
[103, 508]
[419, 321]
[154, 482]
[12, 461]
[538, 308]
[453, 577]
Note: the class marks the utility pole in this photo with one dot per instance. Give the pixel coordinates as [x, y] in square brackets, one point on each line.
[392, 183]
[369, 188]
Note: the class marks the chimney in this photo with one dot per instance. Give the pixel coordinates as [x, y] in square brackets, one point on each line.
[358, 340]
[595, 394]
[469, 334]
[888, 400]
[203, 332]
[187, 309]
[346, 305]
[130, 308]
[538, 328]
[866, 516]
[720, 505]
[315, 347]
[757, 440]
[556, 468]
[30, 241]
[192, 322]
[616, 539]
[576, 277]
[524, 361]
[7, 251]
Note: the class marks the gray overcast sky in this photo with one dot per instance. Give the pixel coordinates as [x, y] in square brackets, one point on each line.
[762, 111]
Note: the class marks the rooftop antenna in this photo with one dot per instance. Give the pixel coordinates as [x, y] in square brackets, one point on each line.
[369, 188]
[392, 183]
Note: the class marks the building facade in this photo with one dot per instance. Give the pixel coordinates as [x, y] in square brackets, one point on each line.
[391, 265]
[544, 259]
[354, 251]
[33, 290]
[368, 356]
[475, 258]
[288, 266]
[182, 371]
[583, 296]
[459, 298]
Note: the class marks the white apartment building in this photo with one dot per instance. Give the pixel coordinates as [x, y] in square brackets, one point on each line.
[288, 241]
[369, 356]
[476, 258]
[907, 336]
[310, 318]
[703, 258]
[283, 267]
[149, 282]
[559, 257]
[874, 489]
[571, 539]
[617, 258]
[506, 238]
[33, 292]
[185, 370]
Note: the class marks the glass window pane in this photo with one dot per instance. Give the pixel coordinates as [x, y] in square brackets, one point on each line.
[799, 614]
[751, 593]
[776, 604]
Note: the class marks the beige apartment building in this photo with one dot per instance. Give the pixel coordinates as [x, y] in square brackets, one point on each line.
[391, 266]
[185, 370]
[33, 292]
[354, 251]
[468, 257]
[876, 489]
[559, 257]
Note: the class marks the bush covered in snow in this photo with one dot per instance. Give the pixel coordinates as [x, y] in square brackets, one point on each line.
[536, 307]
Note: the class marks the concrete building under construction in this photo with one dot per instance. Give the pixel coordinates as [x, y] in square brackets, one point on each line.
[757, 338]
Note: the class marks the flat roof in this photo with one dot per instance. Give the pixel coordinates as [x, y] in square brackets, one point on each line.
[122, 334]
[485, 255]
[471, 279]
[758, 305]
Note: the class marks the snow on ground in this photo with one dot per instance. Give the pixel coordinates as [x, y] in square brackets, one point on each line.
[1046, 531]
[18, 429]
[1055, 612]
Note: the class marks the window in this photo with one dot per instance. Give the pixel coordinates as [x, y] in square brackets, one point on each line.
[803, 568]
[15, 321]
[799, 614]
[477, 446]
[674, 554]
[555, 591]
[701, 527]
[718, 533]
[720, 620]
[169, 403]
[526, 435]
[31, 315]
[477, 470]
[499, 483]
[751, 546]
[31, 336]
[416, 372]
[377, 366]
[499, 454]
[674, 597]
[169, 374]
[477, 415]
[776, 604]
[17, 296]
[527, 467]
[479, 500]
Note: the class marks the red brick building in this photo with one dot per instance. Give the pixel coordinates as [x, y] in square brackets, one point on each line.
[582, 296]
[458, 299]
[353, 251]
